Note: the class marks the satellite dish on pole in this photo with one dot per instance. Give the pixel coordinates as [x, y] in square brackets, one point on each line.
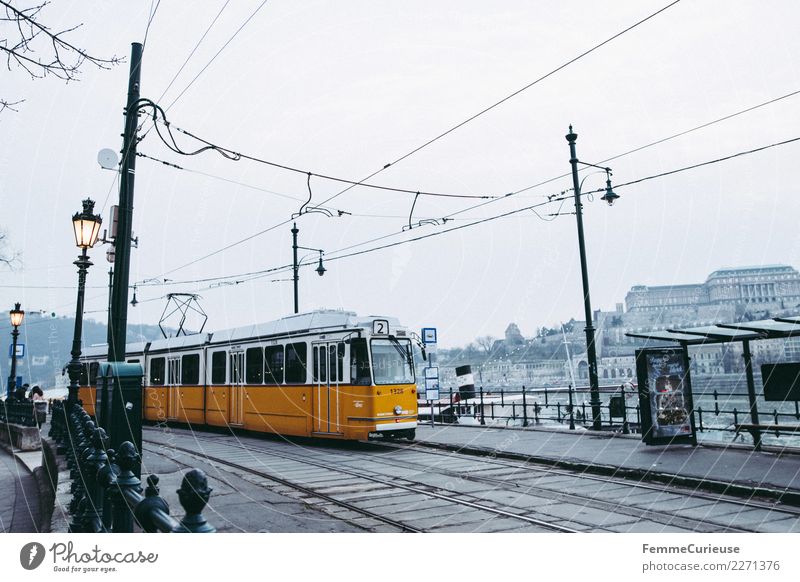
[107, 158]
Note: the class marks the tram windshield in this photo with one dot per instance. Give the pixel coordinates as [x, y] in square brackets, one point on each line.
[392, 362]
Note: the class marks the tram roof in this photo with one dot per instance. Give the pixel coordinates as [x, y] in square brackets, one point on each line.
[319, 321]
[314, 321]
[102, 349]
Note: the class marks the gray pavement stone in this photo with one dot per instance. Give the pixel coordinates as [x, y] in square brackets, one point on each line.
[647, 527]
[584, 514]
[703, 462]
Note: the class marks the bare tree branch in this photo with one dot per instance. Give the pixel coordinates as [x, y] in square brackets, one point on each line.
[8, 257]
[10, 106]
[40, 51]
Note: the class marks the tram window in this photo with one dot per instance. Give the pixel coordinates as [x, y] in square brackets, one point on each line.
[173, 372]
[157, 371]
[218, 367]
[332, 364]
[236, 360]
[392, 361]
[296, 363]
[273, 365]
[359, 362]
[340, 360]
[190, 369]
[254, 366]
[93, 368]
[320, 366]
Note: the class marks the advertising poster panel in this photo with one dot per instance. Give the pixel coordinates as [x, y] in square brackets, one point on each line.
[665, 396]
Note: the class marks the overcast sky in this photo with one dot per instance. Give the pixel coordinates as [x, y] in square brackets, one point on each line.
[342, 88]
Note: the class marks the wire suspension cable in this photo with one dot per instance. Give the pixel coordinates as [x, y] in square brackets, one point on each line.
[235, 34]
[233, 155]
[506, 98]
[191, 54]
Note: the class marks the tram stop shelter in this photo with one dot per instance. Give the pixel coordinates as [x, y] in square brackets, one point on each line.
[781, 381]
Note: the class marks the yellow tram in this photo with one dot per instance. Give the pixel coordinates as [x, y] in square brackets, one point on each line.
[326, 373]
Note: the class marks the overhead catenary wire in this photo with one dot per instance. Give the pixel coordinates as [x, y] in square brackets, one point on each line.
[234, 155]
[452, 215]
[639, 148]
[224, 46]
[150, 20]
[330, 256]
[362, 182]
[333, 255]
[231, 181]
[504, 99]
[196, 46]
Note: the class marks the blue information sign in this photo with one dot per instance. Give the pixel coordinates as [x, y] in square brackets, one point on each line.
[429, 335]
[20, 350]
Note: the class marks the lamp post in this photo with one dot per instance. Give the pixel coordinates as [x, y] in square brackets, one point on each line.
[16, 316]
[296, 265]
[87, 228]
[609, 196]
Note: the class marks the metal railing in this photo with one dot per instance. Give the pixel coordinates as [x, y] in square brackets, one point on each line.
[530, 407]
[725, 413]
[18, 412]
[107, 495]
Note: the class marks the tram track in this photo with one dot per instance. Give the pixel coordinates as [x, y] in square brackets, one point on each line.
[664, 518]
[504, 488]
[548, 470]
[301, 488]
[390, 485]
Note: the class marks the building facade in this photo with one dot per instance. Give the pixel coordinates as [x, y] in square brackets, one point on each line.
[760, 288]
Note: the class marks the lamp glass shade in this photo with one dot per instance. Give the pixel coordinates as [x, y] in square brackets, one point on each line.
[320, 269]
[86, 226]
[17, 315]
[610, 196]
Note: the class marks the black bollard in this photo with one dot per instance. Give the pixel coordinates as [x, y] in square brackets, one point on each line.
[95, 461]
[151, 503]
[107, 481]
[126, 482]
[193, 496]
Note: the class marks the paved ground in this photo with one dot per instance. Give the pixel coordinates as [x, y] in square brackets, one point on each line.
[741, 466]
[237, 504]
[19, 503]
[403, 487]
[578, 481]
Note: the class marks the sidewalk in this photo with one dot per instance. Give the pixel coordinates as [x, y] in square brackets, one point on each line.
[722, 469]
[19, 505]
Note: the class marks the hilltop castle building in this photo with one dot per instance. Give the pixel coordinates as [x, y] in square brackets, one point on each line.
[771, 287]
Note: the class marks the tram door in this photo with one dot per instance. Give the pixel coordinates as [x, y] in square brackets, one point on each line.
[328, 368]
[173, 387]
[236, 394]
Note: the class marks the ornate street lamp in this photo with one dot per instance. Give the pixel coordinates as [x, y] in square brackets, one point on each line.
[296, 265]
[591, 352]
[16, 315]
[87, 228]
[320, 269]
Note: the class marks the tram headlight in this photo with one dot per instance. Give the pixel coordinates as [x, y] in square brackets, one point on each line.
[398, 409]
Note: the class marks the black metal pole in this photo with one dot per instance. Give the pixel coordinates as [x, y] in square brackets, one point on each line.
[571, 410]
[12, 379]
[295, 230]
[122, 242]
[591, 353]
[101, 398]
[74, 367]
[751, 394]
